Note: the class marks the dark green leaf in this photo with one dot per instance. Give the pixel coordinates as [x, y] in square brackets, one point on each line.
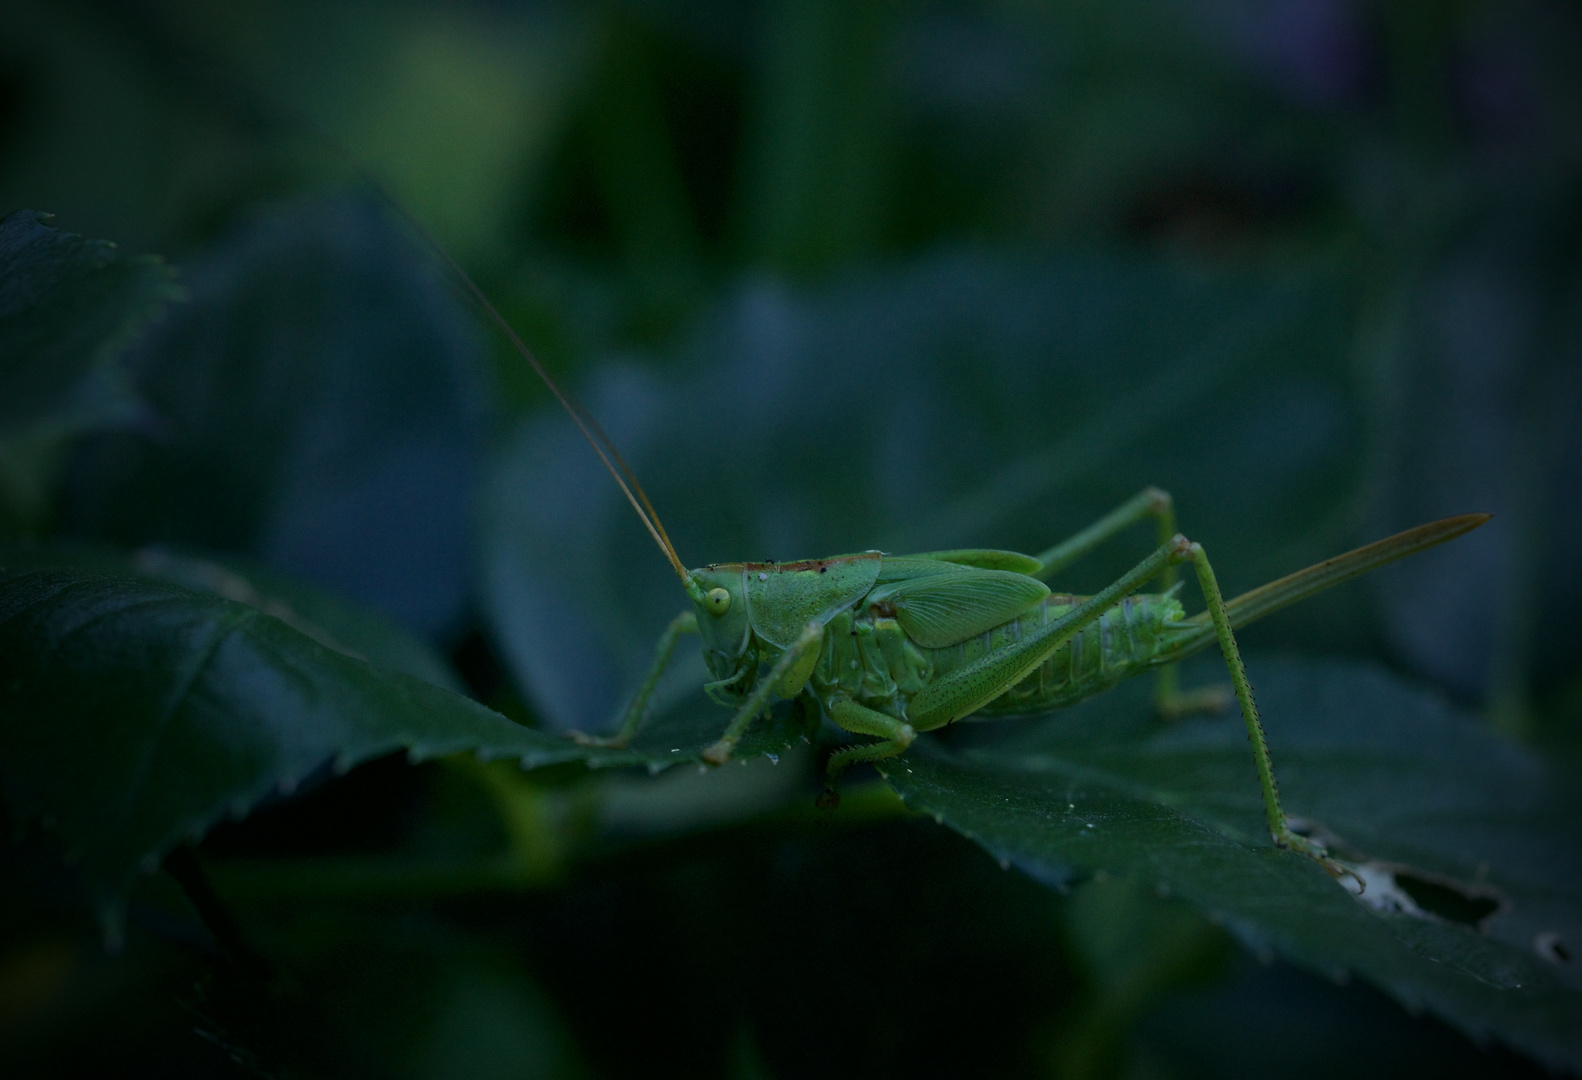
[68, 307]
[134, 714]
[331, 621]
[1398, 783]
[320, 406]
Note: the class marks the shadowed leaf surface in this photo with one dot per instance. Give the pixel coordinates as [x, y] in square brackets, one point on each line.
[139, 713]
[336, 623]
[320, 404]
[1392, 774]
[68, 307]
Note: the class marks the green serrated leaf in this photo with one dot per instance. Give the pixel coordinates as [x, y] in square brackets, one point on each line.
[135, 714]
[336, 623]
[1389, 775]
[339, 624]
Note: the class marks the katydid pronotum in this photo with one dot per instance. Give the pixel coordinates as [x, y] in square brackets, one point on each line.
[890, 646]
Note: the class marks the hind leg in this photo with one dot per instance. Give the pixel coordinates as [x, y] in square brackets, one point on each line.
[1169, 698]
[1279, 825]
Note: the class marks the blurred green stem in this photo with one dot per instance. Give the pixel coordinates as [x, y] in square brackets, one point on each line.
[818, 135]
[28, 468]
[639, 178]
[1136, 949]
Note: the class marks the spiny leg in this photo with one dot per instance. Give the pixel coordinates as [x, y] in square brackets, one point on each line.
[1279, 826]
[720, 752]
[632, 719]
[1169, 698]
[1150, 502]
[897, 736]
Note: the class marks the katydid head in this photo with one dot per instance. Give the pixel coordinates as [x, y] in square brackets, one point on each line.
[772, 603]
[722, 612]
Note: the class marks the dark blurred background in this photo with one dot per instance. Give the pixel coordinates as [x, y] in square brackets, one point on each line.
[836, 274]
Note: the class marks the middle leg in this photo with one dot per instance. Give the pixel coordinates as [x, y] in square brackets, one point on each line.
[811, 638]
[897, 735]
[1148, 503]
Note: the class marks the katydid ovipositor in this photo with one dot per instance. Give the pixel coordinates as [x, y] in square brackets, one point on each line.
[889, 646]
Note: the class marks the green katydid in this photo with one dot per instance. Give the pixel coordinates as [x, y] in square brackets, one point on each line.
[889, 646]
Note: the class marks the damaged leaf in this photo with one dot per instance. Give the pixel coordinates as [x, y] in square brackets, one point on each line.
[1467, 845]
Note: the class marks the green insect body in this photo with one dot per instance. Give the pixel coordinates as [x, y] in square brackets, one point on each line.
[1138, 634]
[879, 651]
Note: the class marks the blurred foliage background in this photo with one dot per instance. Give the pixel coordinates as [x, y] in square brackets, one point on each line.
[835, 274]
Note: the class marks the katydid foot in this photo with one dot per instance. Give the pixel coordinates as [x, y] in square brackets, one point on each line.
[719, 753]
[1300, 844]
[757, 703]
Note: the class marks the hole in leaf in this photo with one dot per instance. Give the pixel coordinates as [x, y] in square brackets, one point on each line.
[1447, 900]
[1404, 890]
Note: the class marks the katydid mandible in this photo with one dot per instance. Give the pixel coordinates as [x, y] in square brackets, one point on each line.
[889, 646]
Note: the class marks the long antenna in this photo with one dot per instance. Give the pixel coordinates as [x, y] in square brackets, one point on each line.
[271, 113]
[601, 443]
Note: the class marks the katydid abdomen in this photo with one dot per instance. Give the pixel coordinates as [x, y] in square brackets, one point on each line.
[1126, 640]
[868, 657]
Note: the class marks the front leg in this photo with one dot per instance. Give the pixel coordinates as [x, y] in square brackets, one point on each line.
[637, 711]
[811, 638]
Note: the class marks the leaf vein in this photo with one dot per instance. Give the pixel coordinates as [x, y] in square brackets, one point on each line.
[225, 628]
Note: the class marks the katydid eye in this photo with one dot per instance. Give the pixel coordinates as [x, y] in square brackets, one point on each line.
[718, 601]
